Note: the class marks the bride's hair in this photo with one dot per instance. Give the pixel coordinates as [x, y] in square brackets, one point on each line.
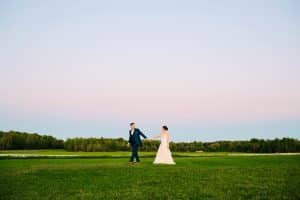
[165, 128]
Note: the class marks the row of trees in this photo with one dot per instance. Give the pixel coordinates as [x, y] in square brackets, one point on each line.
[252, 146]
[18, 140]
[95, 144]
[283, 145]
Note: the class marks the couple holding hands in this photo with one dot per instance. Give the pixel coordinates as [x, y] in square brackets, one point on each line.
[163, 155]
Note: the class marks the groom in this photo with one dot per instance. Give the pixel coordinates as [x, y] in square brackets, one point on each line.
[135, 141]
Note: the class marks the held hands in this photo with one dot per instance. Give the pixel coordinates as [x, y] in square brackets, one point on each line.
[152, 138]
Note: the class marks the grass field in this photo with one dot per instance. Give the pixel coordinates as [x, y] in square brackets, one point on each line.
[108, 176]
[121, 154]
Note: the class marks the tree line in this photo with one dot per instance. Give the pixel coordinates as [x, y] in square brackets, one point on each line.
[20, 140]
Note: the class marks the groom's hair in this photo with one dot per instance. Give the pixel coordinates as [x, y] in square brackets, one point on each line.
[165, 128]
[132, 123]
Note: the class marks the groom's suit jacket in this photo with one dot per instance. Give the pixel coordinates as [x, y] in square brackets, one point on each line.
[135, 139]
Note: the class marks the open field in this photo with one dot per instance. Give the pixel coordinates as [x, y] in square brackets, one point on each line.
[97, 175]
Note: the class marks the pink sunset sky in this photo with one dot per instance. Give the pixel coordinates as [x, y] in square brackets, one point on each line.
[209, 70]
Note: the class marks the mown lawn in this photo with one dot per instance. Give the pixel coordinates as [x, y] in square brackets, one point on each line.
[60, 152]
[206, 177]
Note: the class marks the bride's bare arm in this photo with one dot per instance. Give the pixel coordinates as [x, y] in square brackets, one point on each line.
[154, 137]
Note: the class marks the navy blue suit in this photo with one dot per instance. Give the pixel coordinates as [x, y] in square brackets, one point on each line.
[135, 142]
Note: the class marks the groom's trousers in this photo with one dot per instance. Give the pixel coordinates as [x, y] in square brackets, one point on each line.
[134, 153]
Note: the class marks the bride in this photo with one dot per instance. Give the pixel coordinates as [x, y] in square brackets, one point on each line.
[163, 155]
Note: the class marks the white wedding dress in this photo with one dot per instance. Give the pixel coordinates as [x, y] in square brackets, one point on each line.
[163, 155]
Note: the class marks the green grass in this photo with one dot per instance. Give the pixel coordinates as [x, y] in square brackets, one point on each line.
[205, 176]
[50, 152]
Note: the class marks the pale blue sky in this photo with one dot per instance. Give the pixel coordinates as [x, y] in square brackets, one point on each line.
[211, 70]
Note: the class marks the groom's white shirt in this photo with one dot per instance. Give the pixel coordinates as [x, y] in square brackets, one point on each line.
[131, 132]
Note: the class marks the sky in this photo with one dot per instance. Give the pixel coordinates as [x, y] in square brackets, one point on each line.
[210, 70]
